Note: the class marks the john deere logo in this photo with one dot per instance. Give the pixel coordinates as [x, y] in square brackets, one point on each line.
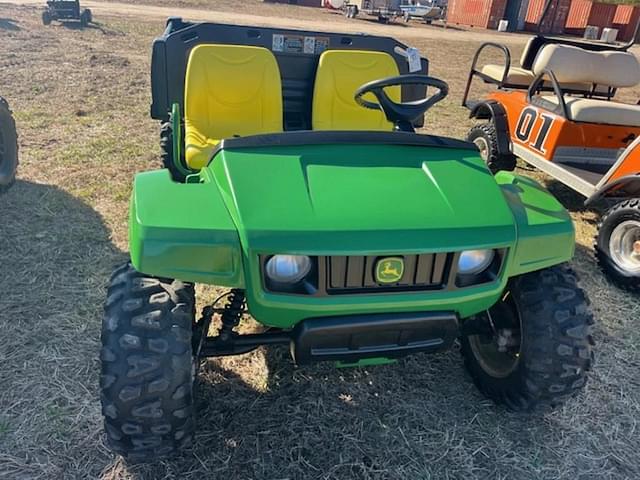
[389, 270]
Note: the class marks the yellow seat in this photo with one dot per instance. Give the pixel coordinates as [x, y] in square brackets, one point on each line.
[230, 90]
[340, 73]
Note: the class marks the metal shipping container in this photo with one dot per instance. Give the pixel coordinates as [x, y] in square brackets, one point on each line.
[602, 15]
[476, 13]
[578, 17]
[554, 21]
[626, 20]
[584, 12]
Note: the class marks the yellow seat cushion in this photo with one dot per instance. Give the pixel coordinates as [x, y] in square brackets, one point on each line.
[340, 73]
[230, 90]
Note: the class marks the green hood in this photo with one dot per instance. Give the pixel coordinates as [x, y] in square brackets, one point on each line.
[338, 199]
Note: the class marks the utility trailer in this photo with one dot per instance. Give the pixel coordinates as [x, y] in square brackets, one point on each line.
[385, 10]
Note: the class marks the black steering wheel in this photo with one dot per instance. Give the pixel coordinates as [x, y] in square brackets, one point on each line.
[401, 114]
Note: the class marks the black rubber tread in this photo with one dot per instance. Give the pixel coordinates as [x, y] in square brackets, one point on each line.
[9, 140]
[495, 161]
[626, 210]
[46, 18]
[85, 18]
[166, 152]
[147, 365]
[556, 351]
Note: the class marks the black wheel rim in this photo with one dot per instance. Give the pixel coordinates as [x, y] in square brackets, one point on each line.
[499, 353]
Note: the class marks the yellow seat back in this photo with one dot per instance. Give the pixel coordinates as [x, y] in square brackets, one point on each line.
[340, 74]
[230, 90]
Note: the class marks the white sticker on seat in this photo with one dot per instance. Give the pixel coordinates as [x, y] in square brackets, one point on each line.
[413, 57]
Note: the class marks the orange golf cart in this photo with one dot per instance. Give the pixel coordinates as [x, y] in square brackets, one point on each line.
[557, 111]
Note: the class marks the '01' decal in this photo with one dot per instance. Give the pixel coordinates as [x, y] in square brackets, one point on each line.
[527, 120]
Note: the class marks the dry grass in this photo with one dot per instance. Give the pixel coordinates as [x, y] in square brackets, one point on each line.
[81, 101]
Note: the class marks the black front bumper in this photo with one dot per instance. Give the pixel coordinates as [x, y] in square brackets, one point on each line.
[356, 337]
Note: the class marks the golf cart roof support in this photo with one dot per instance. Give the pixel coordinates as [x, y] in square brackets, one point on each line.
[475, 72]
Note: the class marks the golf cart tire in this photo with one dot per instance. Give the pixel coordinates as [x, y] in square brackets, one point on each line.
[8, 147]
[147, 365]
[46, 18]
[623, 211]
[495, 161]
[556, 341]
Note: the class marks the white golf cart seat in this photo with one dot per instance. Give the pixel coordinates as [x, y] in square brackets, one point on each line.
[613, 69]
[605, 112]
[517, 76]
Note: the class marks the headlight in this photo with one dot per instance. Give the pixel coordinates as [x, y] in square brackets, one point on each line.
[473, 262]
[288, 268]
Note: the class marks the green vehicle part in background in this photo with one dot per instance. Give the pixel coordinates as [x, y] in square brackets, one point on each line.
[213, 231]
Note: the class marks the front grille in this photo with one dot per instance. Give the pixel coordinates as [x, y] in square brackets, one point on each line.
[356, 274]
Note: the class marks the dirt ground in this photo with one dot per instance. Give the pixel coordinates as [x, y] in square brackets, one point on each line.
[81, 100]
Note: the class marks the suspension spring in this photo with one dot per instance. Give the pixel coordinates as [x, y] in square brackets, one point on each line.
[232, 313]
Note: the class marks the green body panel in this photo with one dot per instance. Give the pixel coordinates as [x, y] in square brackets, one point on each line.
[183, 231]
[176, 128]
[546, 236]
[343, 200]
[352, 199]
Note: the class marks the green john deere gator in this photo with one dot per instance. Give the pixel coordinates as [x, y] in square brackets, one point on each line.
[294, 177]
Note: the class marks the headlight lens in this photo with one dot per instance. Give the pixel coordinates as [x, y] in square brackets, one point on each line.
[288, 268]
[473, 262]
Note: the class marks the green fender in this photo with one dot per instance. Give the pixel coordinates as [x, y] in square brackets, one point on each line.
[184, 231]
[545, 231]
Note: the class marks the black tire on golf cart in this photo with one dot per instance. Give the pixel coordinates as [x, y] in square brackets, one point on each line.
[485, 137]
[617, 244]
[545, 358]
[8, 147]
[85, 18]
[166, 152]
[46, 18]
[147, 365]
